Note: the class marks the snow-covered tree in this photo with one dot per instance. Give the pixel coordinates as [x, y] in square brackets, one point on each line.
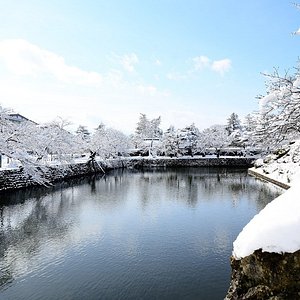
[98, 142]
[188, 139]
[154, 129]
[29, 145]
[56, 141]
[233, 123]
[142, 125]
[170, 142]
[109, 142]
[202, 144]
[18, 142]
[216, 137]
[117, 142]
[249, 123]
[83, 137]
[141, 131]
[82, 132]
[279, 114]
[147, 131]
[240, 135]
[248, 139]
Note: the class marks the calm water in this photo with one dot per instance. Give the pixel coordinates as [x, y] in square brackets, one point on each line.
[129, 235]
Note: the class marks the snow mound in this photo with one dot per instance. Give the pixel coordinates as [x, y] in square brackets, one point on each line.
[275, 229]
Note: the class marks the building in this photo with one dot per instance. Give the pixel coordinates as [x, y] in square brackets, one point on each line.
[17, 118]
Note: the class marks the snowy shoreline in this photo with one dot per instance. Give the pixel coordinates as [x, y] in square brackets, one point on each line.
[265, 261]
[276, 227]
[259, 174]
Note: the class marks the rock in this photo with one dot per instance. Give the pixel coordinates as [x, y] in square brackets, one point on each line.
[264, 275]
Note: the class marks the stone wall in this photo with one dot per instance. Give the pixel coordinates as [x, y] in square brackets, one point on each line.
[15, 179]
[264, 275]
[140, 163]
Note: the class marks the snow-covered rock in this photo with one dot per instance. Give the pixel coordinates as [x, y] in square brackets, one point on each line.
[274, 229]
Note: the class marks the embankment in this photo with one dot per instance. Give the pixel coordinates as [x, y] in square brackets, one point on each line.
[262, 274]
[267, 178]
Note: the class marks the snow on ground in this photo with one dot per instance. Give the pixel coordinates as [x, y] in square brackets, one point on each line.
[276, 228]
[281, 168]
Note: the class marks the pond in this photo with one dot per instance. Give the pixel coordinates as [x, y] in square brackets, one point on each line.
[157, 234]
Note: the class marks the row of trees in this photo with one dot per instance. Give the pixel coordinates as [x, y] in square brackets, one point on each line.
[189, 140]
[276, 122]
[27, 144]
[34, 148]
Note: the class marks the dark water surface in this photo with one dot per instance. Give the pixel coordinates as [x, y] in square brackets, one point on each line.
[164, 234]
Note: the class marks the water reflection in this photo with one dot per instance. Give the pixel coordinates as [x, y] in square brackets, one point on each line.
[138, 215]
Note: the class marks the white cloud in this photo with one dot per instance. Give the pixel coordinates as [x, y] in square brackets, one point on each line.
[218, 66]
[221, 66]
[201, 62]
[23, 58]
[128, 61]
[41, 85]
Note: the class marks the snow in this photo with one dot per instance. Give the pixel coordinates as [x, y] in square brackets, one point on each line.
[282, 169]
[297, 32]
[276, 227]
[296, 83]
[267, 99]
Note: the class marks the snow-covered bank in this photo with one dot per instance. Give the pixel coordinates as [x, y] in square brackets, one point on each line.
[266, 254]
[276, 227]
[281, 166]
[264, 177]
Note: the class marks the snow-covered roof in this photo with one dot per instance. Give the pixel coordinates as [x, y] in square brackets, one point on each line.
[18, 118]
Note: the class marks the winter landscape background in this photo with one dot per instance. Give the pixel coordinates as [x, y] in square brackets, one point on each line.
[87, 82]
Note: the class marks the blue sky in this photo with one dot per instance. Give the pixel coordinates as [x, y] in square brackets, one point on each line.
[107, 61]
